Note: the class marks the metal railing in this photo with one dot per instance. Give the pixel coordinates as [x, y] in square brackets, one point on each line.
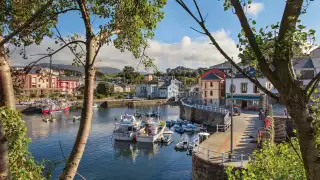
[223, 127]
[206, 108]
[236, 159]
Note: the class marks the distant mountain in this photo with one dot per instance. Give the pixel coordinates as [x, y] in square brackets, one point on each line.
[104, 70]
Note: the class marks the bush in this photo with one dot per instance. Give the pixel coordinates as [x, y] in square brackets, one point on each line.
[99, 96]
[80, 97]
[120, 96]
[33, 95]
[22, 164]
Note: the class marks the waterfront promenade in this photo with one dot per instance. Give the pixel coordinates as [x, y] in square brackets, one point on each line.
[217, 147]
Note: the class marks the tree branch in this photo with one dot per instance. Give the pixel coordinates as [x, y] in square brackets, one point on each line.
[200, 22]
[290, 16]
[253, 43]
[197, 31]
[28, 68]
[85, 17]
[312, 84]
[26, 24]
[61, 39]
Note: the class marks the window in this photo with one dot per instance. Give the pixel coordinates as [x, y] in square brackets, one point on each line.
[255, 89]
[39, 85]
[205, 93]
[255, 103]
[211, 84]
[211, 93]
[47, 80]
[205, 85]
[39, 80]
[232, 88]
[244, 87]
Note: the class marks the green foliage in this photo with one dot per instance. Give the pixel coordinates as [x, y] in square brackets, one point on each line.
[299, 41]
[33, 95]
[22, 164]
[104, 89]
[99, 96]
[272, 162]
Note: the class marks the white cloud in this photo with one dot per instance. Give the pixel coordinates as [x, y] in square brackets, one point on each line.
[192, 53]
[254, 8]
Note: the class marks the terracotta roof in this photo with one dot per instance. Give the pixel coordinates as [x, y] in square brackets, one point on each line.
[211, 76]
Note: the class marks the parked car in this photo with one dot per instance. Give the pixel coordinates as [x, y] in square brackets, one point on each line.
[236, 111]
[131, 97]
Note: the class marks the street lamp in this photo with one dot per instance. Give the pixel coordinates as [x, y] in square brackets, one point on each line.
[231, 73]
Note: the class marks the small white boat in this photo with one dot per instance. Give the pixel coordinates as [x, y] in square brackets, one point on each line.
[183, 145]
[76, 117]
[95, 106]
[45, 120]
[52, 119]
[166, 137]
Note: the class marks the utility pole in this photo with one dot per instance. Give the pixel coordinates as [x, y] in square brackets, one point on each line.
[232, 86]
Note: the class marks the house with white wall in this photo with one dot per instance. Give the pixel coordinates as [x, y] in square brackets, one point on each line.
[157, 88]
[246, 95]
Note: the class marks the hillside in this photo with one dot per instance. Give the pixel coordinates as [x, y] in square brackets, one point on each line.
[108, 70]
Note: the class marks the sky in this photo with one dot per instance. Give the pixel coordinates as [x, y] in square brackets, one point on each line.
[175, 43]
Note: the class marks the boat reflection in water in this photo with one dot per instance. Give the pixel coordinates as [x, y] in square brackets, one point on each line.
[134, 149]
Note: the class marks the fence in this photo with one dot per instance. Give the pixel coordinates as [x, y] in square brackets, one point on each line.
[206, 108]
[223, 127]
[236, 159]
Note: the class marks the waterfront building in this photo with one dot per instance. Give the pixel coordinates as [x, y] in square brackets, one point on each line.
[68, 85]
[37, 82]
[212, 87]
[157, 88]
[247, 95]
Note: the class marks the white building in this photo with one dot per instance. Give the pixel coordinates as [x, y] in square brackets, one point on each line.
[246, 94]
[157, 89]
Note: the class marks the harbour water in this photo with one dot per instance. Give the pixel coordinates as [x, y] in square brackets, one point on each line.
[104, 158]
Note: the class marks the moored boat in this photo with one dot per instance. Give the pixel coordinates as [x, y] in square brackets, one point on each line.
[151, 131]
[178, 128]
[126, 129]
[52, 107]
[166, 137]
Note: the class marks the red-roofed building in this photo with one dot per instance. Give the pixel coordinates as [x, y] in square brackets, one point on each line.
[212, 87]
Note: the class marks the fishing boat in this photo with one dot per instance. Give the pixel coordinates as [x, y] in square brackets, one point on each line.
[127, 128]
[151, 131]
[52, 107]
[178, 128]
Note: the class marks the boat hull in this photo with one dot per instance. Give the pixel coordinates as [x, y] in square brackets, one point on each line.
[118, 136]
[150, 139]
[53, 110]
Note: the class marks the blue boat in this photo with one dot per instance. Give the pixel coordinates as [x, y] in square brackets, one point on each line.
[178, 128]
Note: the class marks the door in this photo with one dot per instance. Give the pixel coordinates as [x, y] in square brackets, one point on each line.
[244, 104]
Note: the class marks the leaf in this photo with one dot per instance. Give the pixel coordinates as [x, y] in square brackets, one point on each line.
[253, 22]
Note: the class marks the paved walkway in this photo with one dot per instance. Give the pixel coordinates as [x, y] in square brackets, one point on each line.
[244, 127]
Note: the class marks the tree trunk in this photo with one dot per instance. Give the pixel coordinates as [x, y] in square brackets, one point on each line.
[72, 164]
[6, 87]
[299, 112]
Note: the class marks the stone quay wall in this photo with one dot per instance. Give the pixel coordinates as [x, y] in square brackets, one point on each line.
[206, 115]
[206, 170]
